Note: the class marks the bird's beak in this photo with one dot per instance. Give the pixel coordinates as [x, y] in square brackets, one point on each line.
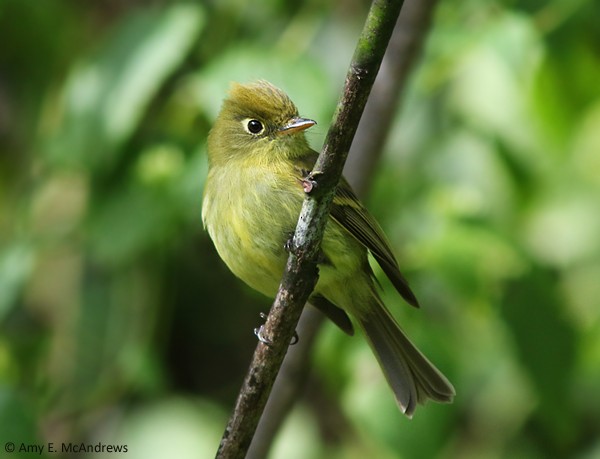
[297, 125]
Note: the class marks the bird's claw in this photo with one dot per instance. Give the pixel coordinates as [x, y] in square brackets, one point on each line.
[288, 245]
[295, 338]
[259, 332]
[267, 342]
[309, 183]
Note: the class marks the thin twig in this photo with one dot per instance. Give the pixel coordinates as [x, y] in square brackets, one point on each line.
[291, 379]
[301, 271]
[400, 59]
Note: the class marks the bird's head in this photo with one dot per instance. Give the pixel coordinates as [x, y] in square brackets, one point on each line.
[257, 119]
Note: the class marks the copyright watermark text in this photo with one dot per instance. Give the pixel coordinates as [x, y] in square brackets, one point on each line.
[70, 447]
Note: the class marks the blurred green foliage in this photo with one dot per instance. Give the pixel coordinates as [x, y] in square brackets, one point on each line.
[118, 322]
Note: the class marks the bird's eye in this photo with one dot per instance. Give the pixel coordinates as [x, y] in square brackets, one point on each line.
[254, 126]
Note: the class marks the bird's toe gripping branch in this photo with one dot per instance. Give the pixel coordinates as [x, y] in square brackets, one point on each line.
[310, 181]
[259, 332]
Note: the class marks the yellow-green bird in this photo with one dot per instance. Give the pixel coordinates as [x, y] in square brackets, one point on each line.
[258, 156]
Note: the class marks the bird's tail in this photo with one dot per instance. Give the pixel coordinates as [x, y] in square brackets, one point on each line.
[412, 377]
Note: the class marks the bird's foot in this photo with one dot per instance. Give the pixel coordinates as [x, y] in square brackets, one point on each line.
[309, 182]
[267, 342]
[288, 246]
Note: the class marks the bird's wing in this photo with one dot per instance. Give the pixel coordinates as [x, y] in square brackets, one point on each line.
[349, 212]
[337, 315]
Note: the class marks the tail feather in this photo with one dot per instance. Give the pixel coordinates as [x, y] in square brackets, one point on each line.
[412, 377]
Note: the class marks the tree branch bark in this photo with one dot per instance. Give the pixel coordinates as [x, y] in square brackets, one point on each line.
[400, 58]
[301, 271]
[402, 53]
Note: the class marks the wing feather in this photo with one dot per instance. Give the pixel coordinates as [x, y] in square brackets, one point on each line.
[348, 211]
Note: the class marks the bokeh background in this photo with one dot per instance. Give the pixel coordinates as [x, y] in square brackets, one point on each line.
[118, 322]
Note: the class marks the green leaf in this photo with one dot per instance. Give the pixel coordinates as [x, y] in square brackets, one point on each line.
[132, 220]
[16, 263]
[546, 344]
[107, 94]
[17, 418]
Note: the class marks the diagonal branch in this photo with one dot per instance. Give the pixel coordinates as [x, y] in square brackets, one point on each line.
[301, 271]
[400, 59]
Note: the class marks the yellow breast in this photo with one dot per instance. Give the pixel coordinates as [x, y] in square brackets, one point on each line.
[249, 218]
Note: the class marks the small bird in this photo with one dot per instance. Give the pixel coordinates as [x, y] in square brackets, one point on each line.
[258, 159]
